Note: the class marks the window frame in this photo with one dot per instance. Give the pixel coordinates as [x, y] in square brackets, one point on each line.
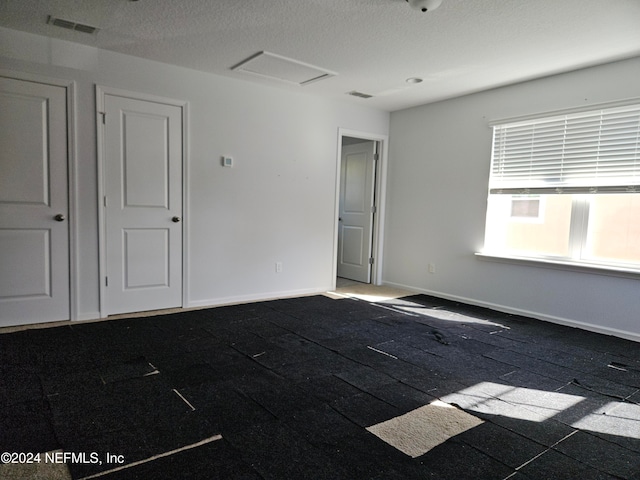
[576, 258]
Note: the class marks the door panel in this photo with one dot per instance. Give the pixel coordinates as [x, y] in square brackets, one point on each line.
[25, 253]
[146, 258]
[146, 164]
[352, 252]
[34, 246]
[24, 172]
[143, 187]
[357, 171]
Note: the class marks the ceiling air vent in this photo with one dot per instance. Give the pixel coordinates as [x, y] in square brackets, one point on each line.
[359, 94]
[69, 25]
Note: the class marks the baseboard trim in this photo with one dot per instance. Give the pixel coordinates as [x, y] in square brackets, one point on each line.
[87, 316]
[527, 313]
[258, 297]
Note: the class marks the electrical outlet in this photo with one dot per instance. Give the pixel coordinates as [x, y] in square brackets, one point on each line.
[278, 267]
[432, 268]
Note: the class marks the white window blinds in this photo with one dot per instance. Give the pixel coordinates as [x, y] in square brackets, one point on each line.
[579, 152]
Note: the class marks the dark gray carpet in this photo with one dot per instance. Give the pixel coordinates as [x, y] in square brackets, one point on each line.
[291, 385]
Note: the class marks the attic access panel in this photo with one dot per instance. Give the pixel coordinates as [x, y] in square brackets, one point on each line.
[277, 67]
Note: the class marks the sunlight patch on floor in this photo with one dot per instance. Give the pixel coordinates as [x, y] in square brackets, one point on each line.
[366, 291]
[513, 402]
[417, 432]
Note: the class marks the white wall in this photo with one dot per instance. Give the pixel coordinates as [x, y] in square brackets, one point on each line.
[436, 204]
[276, 204]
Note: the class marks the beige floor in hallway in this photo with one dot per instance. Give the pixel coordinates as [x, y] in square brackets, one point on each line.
[365, 291]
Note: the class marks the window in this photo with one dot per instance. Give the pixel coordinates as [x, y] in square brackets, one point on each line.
[525, 207]
[567, 187]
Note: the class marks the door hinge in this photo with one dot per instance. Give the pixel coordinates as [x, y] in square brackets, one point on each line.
[374, 209]
[376, 156]
[104, 117]
[370, 260]
[106, 281]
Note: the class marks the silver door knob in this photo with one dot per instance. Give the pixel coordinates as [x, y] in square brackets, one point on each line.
[59, 217]
[175, 219]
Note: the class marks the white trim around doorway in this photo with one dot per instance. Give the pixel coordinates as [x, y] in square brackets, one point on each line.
[101, 91]
[380, 188]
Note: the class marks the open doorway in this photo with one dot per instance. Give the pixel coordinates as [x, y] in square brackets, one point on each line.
[359, 212]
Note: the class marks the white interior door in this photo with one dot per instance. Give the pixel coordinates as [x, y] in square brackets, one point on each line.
[357, 178]
[142, 157]
[34, 229]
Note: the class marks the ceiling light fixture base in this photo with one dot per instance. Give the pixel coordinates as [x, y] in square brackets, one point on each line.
[424, 5]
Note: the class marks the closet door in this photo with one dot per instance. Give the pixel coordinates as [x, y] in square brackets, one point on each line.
[34, 226]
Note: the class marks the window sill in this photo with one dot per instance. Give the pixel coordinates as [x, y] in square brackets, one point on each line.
[565, 265]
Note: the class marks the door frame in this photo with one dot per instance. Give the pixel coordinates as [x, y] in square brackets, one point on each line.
[379, 187]
[101, 92]
[72, 184]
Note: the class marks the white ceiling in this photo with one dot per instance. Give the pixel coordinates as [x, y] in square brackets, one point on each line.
[373, 45]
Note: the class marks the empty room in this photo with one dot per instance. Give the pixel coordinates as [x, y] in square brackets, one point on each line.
[322, 239]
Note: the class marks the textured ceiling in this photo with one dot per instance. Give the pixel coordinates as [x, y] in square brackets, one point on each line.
[374, 45]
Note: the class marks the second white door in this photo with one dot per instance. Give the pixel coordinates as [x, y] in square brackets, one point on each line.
[357, 178]
[142, 157]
